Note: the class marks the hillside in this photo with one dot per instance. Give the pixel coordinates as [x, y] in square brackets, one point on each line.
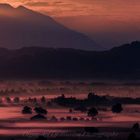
[37, 62]
[22, 27]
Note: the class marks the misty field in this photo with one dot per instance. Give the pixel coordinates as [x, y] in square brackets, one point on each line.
[60, 120]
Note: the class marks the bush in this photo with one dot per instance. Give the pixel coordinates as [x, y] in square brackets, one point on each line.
[40, 110]
[117, 108]
[92, 112]
[136, 127]
[27, 110]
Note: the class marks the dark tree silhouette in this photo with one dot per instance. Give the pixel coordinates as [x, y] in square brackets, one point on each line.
[81, 119]
[75, 119]
[62, 119]
[136, 127]
[70, 110]
[1, 100]
[92, 112]
[68, 118]
[117, 108]
[49, 103]
[16, 100]
[132, 136]
[35, 100]
[81, 108]
[53, 118]
[91, 95]
[38, 117]
[29, 99]
[40, 110]
[8, 100]
[62, 96]
[27, 110]
[43, 100]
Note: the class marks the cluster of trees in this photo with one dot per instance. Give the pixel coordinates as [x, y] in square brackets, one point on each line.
[117, 108]
[91, 112]
[93, 100]
[18, 100]
[135, 129]
[12, 91]
[40, 89]
[75, 104]
[36, 101]
[15, 100]
[40, 112]
[84, 104]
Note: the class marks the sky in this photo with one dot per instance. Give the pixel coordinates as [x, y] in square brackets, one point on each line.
[108, 22]
[59, 8]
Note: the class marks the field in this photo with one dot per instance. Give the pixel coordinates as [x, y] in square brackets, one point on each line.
[13, 123]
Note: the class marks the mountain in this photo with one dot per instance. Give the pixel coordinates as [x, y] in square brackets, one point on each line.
[107, 30]
[22, 27]
[38, 62]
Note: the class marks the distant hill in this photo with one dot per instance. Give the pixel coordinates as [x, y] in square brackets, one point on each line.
[37, 62]
[106, 30]
[22, 27]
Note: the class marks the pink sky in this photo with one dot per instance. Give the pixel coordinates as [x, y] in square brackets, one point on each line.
[125, 8]
[108, 22]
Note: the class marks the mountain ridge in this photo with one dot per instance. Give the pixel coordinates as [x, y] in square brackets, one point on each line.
[22, 27]
[35, 62]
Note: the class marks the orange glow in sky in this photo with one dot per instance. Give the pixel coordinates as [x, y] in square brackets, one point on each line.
[109, 22]
[59, 8]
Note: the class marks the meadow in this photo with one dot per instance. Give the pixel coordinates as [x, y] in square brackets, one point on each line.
[60, 121]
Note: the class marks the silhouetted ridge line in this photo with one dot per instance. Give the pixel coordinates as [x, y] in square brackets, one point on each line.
[40, 62]
[24, 27]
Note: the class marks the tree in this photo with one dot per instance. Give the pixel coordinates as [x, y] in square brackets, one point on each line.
[43, 100]
[27, 110]
[81, 108]
[136, 127]
[117, 108]
[8, 99]
[68, 118]
[62, 96]
[53, 118]
[38, 117]
[35, 100]
[62, 119]
[91, 95]
[70, 110]
[1, 101]
[92, 112]
[40, 110]
[16, 100]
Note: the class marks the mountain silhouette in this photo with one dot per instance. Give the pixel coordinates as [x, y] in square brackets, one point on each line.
[22, 27]
[39, 62]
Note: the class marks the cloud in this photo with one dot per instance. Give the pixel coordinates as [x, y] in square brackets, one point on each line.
[82, 7]
[37, 4]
